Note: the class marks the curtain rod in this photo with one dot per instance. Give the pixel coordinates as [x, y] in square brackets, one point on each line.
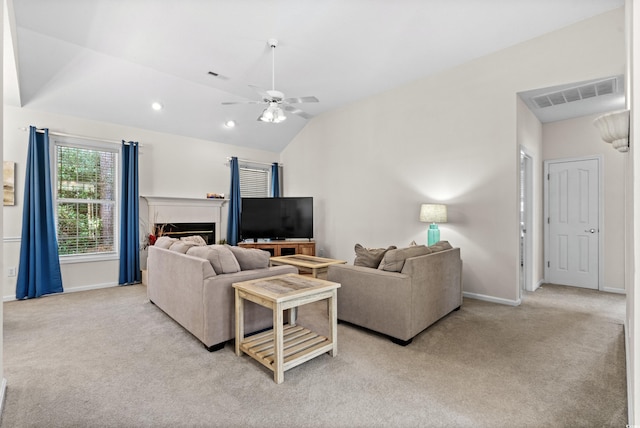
[256, 162]
[62, 134]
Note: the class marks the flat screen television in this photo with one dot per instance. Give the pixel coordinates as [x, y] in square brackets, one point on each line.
[276, 218]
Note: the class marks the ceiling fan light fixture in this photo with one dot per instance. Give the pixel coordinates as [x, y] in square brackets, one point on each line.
[272, 114]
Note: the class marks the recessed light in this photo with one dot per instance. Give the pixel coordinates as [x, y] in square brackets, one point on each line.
[156, 106]
[230, 124]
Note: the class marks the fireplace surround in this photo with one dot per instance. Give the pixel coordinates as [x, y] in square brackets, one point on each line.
[182, 216]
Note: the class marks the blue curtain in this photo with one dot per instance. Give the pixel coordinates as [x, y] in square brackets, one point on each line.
[275, 180]
[39, 268]
[129, 219]
[235, 204]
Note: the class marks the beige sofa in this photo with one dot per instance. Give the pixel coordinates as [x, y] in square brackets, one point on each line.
[188, 289]
[414, 292]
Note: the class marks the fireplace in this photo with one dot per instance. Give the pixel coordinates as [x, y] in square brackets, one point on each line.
[178, 230]
[182, 216]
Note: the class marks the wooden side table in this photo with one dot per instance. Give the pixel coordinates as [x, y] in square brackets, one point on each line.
[316, 265]
[286, 345]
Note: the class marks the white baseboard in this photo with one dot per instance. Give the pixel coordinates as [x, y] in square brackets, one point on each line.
[615, 290]
[71, 290]
[491, 299]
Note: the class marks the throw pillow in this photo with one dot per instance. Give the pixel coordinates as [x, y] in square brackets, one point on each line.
[393, 260]
[195, 239]
[181, 246]
[164, 242]
[440, 246]
[221, 258]
[370, 257]
[250, 258]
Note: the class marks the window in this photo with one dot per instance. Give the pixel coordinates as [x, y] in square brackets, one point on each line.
[254, 182]
[85, 198]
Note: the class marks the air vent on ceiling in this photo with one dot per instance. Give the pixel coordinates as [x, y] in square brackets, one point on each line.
[590, 90]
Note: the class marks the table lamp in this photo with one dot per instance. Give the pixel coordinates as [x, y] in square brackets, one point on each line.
[433, 213]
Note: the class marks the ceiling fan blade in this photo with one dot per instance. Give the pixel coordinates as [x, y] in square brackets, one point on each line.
[226, 103]
[297, 100]
[297, 111]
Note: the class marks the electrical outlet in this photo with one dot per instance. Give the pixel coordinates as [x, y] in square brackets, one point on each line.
[11, 271]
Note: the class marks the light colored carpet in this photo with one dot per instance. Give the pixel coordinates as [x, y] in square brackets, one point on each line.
[109, 358]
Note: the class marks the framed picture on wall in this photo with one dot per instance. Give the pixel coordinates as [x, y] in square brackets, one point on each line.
[8, 170]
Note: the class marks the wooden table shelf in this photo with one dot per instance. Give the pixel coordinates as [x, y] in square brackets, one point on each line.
[300, 345]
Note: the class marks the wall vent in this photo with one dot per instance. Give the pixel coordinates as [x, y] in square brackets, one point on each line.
[594, 89]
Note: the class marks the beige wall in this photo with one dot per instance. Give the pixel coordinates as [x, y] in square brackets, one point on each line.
[170, 165]
[579, 138]
[450, 138]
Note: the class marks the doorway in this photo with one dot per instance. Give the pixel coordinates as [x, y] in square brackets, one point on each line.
[526, 222]
[573, 222]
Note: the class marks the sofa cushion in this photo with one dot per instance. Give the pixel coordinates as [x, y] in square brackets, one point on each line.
[393, 260]
[195, 239]
[250, 258]
[164, 242]
[440, 246]
[370, 257]
[221, 258]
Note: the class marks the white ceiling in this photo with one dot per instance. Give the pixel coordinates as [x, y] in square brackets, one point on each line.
[108, 60]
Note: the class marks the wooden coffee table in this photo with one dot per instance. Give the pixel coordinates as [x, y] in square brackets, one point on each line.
[286, 345]
[316, 265]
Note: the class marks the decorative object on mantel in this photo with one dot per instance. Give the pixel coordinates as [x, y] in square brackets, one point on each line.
[614, 129]
[215, 195]
[433, 213]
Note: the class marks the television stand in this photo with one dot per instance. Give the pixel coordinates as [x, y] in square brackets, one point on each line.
[283, 248]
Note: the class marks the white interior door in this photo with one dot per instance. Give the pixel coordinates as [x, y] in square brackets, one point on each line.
[573, 222]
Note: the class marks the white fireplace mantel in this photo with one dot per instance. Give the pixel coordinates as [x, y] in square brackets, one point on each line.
[161, 209]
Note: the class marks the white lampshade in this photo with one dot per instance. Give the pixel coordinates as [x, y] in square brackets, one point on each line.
[433, 213]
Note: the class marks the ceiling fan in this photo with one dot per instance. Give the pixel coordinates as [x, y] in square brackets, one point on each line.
[275, 100]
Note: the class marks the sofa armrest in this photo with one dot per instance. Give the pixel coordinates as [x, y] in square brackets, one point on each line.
[175, 285]
[373, 298]
[437, 286]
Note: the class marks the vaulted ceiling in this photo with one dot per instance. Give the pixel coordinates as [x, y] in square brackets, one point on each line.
[110, 60]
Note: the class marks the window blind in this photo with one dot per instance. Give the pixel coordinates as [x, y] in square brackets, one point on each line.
[254, 182]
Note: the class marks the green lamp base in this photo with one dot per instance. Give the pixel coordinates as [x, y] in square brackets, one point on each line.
[433, 234]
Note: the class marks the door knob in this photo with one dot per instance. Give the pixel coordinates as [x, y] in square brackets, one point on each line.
[591, 231]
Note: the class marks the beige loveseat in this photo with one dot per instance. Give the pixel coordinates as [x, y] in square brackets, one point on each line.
[182, 281]
[412, 293]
